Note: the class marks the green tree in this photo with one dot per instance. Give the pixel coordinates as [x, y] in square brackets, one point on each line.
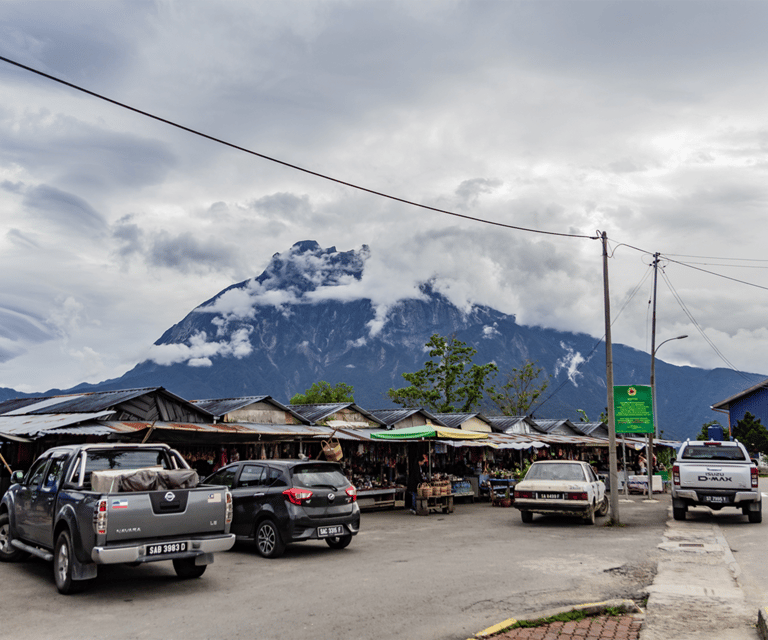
[704, 435]
[752, 434]
[322, 393]
[520, 391]
[449, 381]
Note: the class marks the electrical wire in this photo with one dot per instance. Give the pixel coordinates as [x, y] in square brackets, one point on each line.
[288, 164]
[597, 344]
[697, 325]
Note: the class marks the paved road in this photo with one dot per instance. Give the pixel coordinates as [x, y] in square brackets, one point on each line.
[437, 577]
[747, 543]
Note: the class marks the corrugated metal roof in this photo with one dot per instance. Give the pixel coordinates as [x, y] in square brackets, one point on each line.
[222, 406]
[277, 430]
[512, 424]
[391, 417]
[548, 426]
[589, 428]
[34, 426]
[455, 420]
[316, 412]
[13, 405]
[96, 401]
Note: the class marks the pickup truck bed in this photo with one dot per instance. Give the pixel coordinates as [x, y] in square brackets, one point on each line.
[154, 510]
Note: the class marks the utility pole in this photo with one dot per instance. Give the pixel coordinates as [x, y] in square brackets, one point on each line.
[615, 519]
[649, 460]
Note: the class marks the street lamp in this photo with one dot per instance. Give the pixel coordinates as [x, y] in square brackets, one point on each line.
[653, 386]
[655, 433]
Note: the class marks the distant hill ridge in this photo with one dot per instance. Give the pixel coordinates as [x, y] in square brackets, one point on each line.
[298, 323]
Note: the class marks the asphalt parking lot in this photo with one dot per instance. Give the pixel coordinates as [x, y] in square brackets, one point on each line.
[441, 576]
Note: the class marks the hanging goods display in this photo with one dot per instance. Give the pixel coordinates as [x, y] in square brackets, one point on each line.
[332, 450]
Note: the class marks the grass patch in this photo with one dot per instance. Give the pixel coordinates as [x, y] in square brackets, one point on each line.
[568, 616]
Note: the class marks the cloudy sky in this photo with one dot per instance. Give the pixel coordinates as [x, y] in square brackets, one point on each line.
[646, 120]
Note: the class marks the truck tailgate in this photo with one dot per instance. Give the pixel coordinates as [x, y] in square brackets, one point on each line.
[167, 513]
[717, 475]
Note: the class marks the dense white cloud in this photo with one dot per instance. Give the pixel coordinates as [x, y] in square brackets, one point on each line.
[643, 119]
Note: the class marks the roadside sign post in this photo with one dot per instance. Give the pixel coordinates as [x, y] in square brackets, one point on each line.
[634, 415]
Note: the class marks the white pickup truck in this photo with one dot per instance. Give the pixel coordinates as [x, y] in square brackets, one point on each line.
[715, 474]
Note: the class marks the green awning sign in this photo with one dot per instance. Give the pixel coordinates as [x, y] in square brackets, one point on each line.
[633, 409]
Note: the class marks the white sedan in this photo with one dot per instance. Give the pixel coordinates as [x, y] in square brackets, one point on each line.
[566, 487]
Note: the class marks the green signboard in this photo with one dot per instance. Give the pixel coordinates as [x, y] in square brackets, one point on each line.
[633, 409]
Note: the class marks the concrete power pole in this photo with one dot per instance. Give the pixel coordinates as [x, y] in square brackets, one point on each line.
[615, 518]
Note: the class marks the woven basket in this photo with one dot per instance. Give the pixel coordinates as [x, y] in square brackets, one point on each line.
[332, 450]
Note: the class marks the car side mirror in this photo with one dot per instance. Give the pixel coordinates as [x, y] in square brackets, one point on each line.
[17, 477]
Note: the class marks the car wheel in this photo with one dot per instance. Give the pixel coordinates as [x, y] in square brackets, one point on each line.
[678, 513]
[339, 542]
[186, 568]
[526, 516]
[589, 516]
[8, 553]
[63, 557]
[268, 541]
[603, 510]
[755, 516]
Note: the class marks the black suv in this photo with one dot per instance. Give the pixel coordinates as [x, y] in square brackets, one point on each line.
[282, 501]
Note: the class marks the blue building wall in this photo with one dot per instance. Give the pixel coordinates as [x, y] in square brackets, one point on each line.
[755, 403]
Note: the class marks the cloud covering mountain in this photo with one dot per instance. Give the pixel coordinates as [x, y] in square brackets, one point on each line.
[307, 318]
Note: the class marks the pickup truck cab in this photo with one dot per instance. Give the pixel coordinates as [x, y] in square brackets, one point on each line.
[715, 474]
[80, 506]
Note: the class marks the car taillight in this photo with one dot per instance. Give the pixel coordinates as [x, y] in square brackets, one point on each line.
[229, 508]
[100, 517]
[755, 476]
[676, 475]
[351, 492]
[296, 495]
[580, 495]
[525, 495]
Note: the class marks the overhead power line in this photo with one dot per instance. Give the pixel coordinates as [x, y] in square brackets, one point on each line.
[288, 164]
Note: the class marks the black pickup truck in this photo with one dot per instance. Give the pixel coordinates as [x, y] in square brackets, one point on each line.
[85, 505]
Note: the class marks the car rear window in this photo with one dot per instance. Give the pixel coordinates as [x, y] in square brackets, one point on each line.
[319, 475]
[712, 452]
[553, 471]
[137, 459]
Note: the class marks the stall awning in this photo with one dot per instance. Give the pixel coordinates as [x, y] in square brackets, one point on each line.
[428, 431]
[501, 441]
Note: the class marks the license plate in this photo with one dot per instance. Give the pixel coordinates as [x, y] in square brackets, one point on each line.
[551, 496]
[165, 548]
[324, 532]
[717, 499]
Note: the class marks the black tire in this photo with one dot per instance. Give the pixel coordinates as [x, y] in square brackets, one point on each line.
[589, 516]
[186, 568]
[526, 517]
[603, 509]
[268, 541]
[755, 516]
[339, 542]
[678, 513]
[8, 553]
[63, 557]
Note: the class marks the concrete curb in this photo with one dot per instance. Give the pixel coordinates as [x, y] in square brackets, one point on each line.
[762, 622]
[590, 609]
